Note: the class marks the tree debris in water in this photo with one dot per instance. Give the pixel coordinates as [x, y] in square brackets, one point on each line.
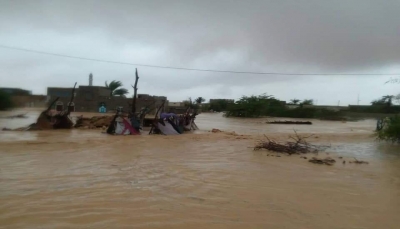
[326, 161]
[291, 122]
[49, 119]
[359, 162]
[299, 145]
[216, 130]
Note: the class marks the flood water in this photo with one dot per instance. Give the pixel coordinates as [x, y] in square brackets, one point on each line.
[86, 179]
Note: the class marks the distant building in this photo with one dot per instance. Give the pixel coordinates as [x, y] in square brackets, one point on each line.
[92, 98]
[63, 93]
[175, 104]
[15, 91]
[24, 98]
[177, 107]
[29, 100]
[292, 106]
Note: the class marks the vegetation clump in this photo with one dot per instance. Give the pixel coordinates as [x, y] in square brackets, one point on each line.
[266, 105]
[389, 129]
[5, 101]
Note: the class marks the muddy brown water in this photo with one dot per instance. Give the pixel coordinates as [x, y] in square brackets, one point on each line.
[86, 179]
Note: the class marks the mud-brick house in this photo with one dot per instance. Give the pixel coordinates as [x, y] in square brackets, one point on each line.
[87, 98]
[152, 102]
[64, 94]
[91, 98]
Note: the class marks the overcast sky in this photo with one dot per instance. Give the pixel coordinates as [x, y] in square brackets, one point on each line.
[288, 36]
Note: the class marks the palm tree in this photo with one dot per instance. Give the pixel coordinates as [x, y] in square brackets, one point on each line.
[199, 100]
[308, 102]
[378, 102]
[397, 99]
[189, 103]
[115, 89]
[294, 101]
[388, 99]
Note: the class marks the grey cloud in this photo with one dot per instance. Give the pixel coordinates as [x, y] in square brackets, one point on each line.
[268, 36]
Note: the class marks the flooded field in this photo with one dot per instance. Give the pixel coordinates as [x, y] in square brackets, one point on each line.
[86, 179]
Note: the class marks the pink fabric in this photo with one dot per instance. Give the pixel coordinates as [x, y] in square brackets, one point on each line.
[129, 127]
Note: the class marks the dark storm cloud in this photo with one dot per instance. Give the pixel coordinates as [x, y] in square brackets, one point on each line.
[341, 35]
[268, 36]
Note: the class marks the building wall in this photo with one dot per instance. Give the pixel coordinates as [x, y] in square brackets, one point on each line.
[177, 110]
[152, 102]
[292, 106]
[89, 98]
[175, 104]
[15, 91]
[29, 100]
[92, 105]
[64, 94]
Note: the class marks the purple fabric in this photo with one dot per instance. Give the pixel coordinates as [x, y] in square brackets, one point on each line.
[168, 115]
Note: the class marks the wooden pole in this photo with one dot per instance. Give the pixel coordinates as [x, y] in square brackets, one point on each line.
[155, 117]
[135, 94]
[51, 104]
[72, 98]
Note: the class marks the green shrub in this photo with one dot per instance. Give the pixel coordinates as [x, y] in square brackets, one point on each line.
[5, 101]
[263, 105]
[391, 130]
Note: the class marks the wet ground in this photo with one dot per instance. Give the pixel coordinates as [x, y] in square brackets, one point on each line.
[86, 179]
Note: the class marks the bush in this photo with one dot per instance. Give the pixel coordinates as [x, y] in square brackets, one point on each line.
[391, 130]
[205, 107]
[262, 105]
[255, 106]
[5, 101]
[219, 105]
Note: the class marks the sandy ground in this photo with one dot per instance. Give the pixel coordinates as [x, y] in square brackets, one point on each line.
[85, 179]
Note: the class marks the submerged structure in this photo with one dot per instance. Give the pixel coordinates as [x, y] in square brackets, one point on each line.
[173, 124]
[129, 124]
[50, 119]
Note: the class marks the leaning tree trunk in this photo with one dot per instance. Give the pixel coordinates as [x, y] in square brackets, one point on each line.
[156, 118]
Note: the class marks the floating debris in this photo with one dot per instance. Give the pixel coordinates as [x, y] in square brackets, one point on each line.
[291, 122]
[216, 130]
[298, 146]
[359, 162]
[326, 161]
